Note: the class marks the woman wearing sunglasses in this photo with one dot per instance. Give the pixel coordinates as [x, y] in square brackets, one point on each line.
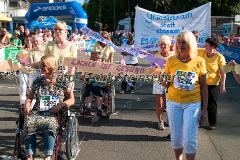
[44, 101]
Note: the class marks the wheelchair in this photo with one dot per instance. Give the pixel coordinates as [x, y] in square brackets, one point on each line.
[67, 137]
[108, 97]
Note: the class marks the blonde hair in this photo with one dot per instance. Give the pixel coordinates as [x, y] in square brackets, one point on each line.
[165, 39]
[190, 40]
[106, 33]
[50, 62]
[37, 37]
[61, 25]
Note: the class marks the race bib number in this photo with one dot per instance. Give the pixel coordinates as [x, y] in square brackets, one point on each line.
[38, 71]
[48, 101]
[184, 80]
[62, 69]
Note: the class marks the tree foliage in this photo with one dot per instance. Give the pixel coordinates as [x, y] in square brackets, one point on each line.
[103, 10]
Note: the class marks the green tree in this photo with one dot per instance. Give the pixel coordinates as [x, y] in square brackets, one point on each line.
[103, 10]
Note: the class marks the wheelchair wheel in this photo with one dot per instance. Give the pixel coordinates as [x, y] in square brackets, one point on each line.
[72, 144]
[81, 93]
[18, 147]
[111, 102]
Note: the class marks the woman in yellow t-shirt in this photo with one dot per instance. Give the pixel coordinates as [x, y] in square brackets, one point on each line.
[102, 52]
[185, 93]
[61, 47]
[215, 78]
[158, 89]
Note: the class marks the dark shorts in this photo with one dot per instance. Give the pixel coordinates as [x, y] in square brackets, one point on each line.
[96, 90]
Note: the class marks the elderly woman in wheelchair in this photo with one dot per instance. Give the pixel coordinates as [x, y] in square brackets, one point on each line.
[44, 102]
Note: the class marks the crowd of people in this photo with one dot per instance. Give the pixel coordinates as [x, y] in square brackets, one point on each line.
[190, 97]
[231, 41]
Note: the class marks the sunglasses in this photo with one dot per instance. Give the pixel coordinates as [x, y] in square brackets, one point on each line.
[58, 30]
[43, 65]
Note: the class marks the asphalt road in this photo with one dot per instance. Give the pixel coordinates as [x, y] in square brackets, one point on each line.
[132, 134]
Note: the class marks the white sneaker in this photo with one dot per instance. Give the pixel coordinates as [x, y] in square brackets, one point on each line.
[161, 125]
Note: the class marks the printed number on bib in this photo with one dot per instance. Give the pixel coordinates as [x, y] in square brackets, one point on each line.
[184, 80]
[48, 101]
[62, 69]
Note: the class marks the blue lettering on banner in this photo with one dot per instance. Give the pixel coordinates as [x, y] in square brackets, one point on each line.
[154, 17]
[89, 45]
[230, 53]
[168, 31]
[144, 41]
[153, 40]
[50, 8]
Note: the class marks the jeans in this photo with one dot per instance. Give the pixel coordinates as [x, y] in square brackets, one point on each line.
[183, 121]
[23, 86]
[31, 143]
[213, 91]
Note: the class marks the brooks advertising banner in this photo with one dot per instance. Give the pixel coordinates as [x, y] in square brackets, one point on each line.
[149, 26]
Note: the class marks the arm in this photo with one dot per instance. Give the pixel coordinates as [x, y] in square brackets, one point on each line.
[110, 58]
[28, 103]
[222, 62]
[222, 82]
[7, 43]
[237, 77]
[67, 103]
[70, 100]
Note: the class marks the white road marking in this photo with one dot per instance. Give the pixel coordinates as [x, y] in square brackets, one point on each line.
[9, 87]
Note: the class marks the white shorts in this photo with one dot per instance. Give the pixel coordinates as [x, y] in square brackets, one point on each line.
[158, 88]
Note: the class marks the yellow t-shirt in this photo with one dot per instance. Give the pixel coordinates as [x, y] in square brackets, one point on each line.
[35, 55]
[52, 49]
[184, 86]
[213, 64]
[105, 51]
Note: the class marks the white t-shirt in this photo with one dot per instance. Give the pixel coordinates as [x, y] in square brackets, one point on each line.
[129, 59]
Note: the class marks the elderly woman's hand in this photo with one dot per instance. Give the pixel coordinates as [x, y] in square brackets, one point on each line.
[57, 108]
[48, 81]
[232, 62]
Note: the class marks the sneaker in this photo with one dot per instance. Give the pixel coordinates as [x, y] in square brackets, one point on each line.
[132, 91]
[161, 126]
[122, 92]
[99, 113]
[168, 138]
[212, 127]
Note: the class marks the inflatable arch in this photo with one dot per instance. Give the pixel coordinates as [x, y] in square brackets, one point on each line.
[73, 9]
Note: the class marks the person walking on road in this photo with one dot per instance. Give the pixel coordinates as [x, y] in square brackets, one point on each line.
[186, 91]
[159, 90]
[215, 78]
[131, 60]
